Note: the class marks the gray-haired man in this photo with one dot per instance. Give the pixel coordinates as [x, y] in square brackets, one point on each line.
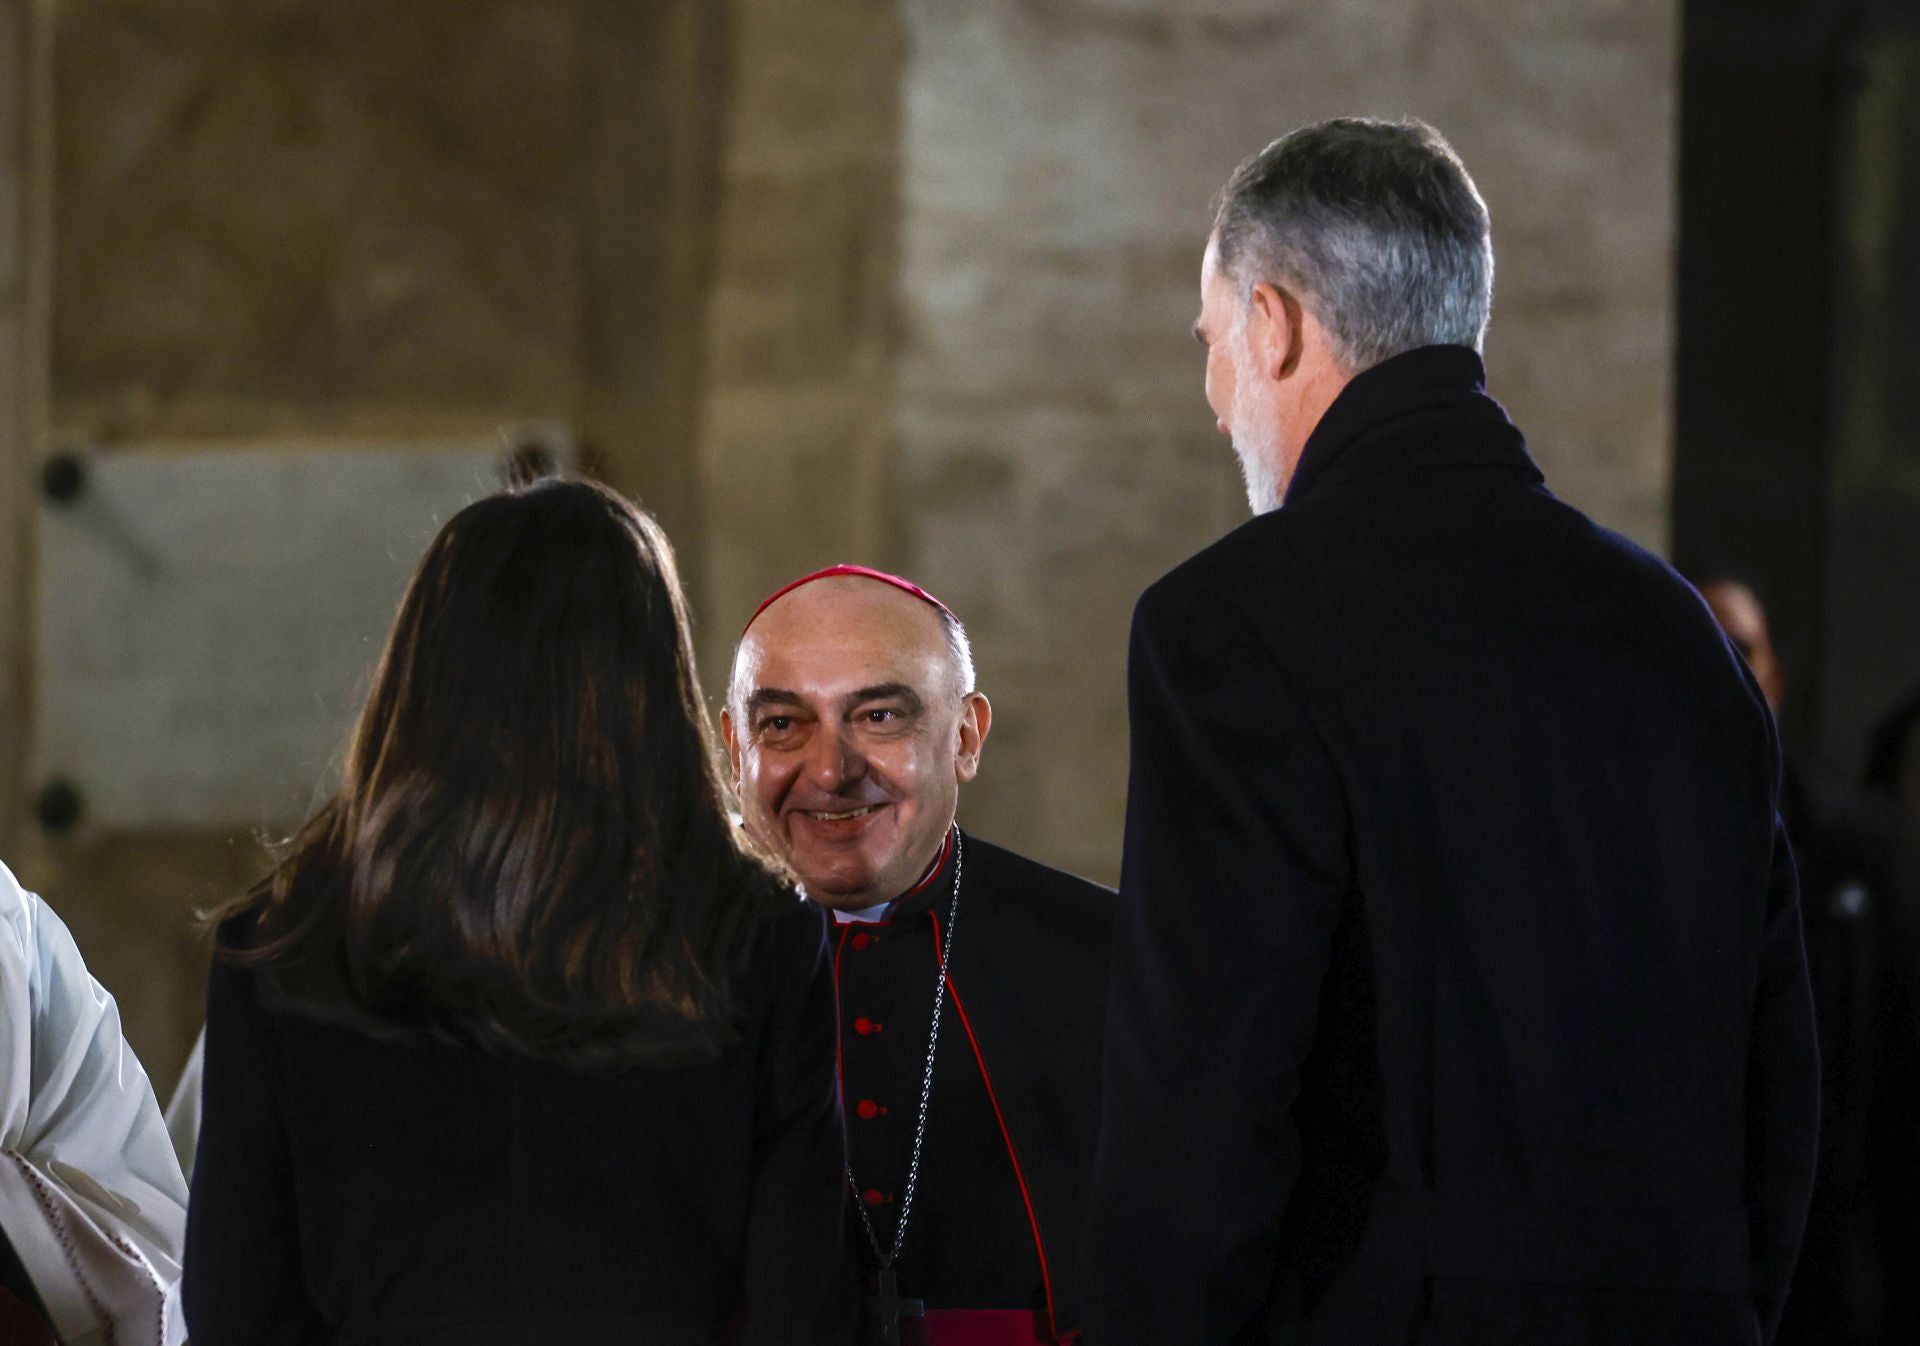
[1458, 984]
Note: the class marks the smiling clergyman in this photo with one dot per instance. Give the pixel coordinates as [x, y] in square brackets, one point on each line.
[971, 1100]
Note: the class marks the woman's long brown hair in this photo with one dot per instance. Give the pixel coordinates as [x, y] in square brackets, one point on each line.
[530, 846]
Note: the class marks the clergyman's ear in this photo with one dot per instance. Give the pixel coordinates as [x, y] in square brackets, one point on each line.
[976, 720]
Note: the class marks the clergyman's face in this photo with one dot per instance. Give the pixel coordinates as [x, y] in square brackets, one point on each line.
[1245, 405]
[849, 737]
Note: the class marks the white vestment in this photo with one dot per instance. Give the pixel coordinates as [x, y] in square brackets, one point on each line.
[91, 1196]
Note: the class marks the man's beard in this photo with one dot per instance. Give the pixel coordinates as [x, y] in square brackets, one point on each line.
[1254, 427]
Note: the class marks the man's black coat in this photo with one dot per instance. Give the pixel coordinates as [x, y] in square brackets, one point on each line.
[1459, 992]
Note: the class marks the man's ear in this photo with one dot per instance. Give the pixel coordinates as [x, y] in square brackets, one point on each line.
[727, 732]
[976, 719]
[1275, 330]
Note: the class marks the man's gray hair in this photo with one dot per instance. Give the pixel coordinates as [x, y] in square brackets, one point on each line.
[961, 648]
[1375, 224]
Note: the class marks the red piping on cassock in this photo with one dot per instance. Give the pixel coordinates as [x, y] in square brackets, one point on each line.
[993, 1097]
[839, 1038]
[939, 863]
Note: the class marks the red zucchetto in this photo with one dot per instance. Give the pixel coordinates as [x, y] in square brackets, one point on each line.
[863, 572]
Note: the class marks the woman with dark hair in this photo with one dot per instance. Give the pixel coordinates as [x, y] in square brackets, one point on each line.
[521, 1042]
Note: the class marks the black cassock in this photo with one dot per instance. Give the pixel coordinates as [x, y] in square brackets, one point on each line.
[996, 1217]
[1459, 991]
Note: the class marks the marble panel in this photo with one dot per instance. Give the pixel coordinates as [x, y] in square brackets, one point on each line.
[210, 617]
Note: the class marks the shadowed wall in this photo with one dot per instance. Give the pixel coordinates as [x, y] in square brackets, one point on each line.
[892, 281]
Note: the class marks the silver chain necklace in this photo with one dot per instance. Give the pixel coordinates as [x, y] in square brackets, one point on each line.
[926, 1091]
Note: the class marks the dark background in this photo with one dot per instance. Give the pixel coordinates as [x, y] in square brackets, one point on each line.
[1797, 448]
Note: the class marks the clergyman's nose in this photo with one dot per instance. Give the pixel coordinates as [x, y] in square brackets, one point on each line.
[834, 761]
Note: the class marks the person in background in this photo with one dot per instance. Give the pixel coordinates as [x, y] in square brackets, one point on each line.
[1854, 1284]
[852, 722]
[1893, 768]
[93, 1209]
[521, 1042]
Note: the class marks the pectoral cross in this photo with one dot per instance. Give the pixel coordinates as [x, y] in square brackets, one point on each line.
[890, 1308]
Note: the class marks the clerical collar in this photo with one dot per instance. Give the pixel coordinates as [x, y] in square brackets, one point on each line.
[884, 910]
[864, 916]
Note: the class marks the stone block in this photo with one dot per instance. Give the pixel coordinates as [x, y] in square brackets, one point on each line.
[798, 479]
[319, 204]
[14, 84]
[805, 291]
[11, 410]
[815, 83]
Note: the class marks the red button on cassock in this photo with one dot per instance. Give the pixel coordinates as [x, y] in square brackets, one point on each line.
[873, 1196]
[861, 941]
[867, 1108]
[863, 1026]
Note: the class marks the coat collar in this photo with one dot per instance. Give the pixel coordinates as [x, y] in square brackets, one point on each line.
[1461, 425]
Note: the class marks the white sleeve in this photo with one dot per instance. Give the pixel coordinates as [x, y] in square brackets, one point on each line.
[183, 1109]
[75, 1104]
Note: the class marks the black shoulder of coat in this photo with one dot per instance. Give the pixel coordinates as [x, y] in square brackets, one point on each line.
[1051, 902]
[1244, 558]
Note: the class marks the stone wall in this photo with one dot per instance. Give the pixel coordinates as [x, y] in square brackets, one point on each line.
[361, 216]
[1058, 158]
[344, 220]
[798, 450]
[22, 380]
[897, 281]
